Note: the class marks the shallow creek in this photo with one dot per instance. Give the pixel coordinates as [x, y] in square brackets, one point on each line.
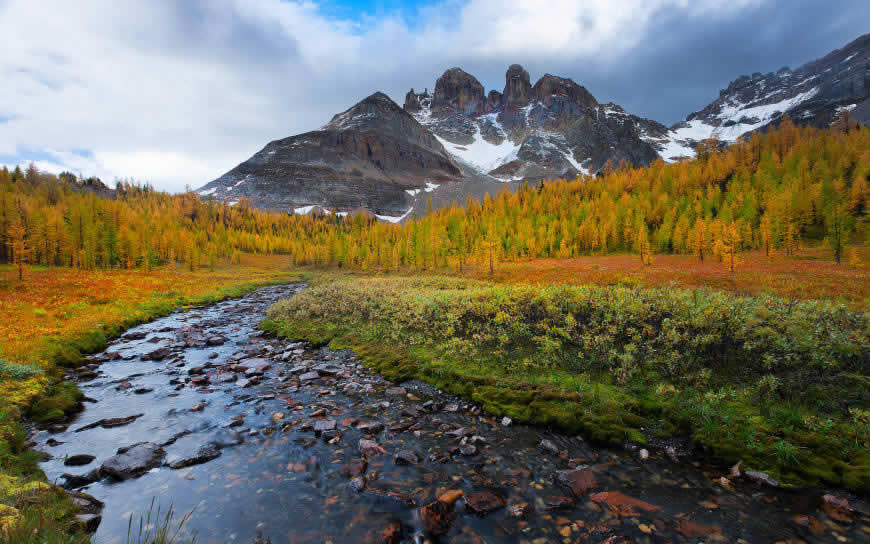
[268, 440]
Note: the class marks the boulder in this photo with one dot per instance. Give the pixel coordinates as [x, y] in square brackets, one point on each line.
[133, 461]
[78, 460]
[203, 455]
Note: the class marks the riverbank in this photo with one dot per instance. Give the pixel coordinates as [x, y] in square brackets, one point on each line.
[774, 383]
[51, 318]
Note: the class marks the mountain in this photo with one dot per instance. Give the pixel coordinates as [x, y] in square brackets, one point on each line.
[372, 156]
[554, 128]
[812, 94]
[461, 140]
[456, 143]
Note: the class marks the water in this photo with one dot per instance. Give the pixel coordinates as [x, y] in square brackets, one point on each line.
[286, 483]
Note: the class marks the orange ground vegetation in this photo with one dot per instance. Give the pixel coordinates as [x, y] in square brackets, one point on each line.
[812, 274]
[59, 302]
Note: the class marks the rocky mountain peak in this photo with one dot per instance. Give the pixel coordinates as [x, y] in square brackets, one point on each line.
[458, 90]
[414, 101]
[559, 94]
[517, 87]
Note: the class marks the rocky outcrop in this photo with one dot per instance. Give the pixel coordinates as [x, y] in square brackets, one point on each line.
[459, 91]
[517, 88]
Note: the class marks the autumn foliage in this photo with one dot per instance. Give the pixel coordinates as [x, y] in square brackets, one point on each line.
[776, 192]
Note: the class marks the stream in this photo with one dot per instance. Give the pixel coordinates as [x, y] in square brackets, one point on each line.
[268, 440]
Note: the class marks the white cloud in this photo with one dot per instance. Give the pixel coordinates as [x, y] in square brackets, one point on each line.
[178, 92]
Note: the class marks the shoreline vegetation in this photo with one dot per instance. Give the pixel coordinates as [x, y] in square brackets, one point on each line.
[51, 319]
[778, 384]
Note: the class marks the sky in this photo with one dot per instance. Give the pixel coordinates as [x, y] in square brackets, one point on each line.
[175, 93]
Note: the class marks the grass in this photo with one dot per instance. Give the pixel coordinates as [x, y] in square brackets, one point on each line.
[812, 274]
[51, 318]
[773, 382]
[162, 529]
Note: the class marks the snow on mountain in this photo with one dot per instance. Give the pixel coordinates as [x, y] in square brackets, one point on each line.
[813, 94]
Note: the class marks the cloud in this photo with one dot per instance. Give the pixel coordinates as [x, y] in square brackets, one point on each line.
[177, 93]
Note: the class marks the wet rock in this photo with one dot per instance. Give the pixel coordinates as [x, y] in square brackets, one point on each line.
[133, 461]
[135, 335]
[78, 460]
[356, 467]
[157, 354]
[484, 502]
[90, 522]
[737, 470]
[324, 426]
[837, 508]
[548, 445]
[622, 504]
[86, 504]
[357, 483]
[388, 497]
[74, 481]
[371, 427]
[390, 533]
[369, 448]
[396, 392]
[761, 478]
[328, 369]
[142, 390]
[214, 340]
[468, 450]
[451, 407]
[558, 502]
[309, 376]
[690, 529]
[643, 454]
[580, 480]
[243, 382]
[519, 510]
[809, 523]
[435, 518]
[461, 432]
[406, 457]
[109, 423]
[506, 421]
[256, 364]
[203, 455]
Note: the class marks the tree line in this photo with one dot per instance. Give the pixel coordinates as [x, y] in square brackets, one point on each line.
[773, 192]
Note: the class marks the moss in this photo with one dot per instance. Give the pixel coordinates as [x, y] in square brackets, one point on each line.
[60, 400]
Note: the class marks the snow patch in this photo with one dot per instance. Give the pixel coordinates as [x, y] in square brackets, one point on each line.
[206, 192]
[481, 154]
[304, 210]
[392, 219]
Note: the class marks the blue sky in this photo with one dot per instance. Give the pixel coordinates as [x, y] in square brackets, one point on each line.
[177, 93]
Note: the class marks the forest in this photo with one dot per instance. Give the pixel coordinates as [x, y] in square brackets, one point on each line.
[778, 191]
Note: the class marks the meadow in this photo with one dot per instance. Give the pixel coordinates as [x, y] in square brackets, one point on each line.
[53, 316]
[811, 274]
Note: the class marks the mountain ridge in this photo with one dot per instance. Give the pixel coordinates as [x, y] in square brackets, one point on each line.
[461, 140]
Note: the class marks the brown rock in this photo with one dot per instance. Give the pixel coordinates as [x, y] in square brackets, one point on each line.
[837, 508]
[623, 505]
[436, 517]
[690, 529]
[484, 502]
[580, 480]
